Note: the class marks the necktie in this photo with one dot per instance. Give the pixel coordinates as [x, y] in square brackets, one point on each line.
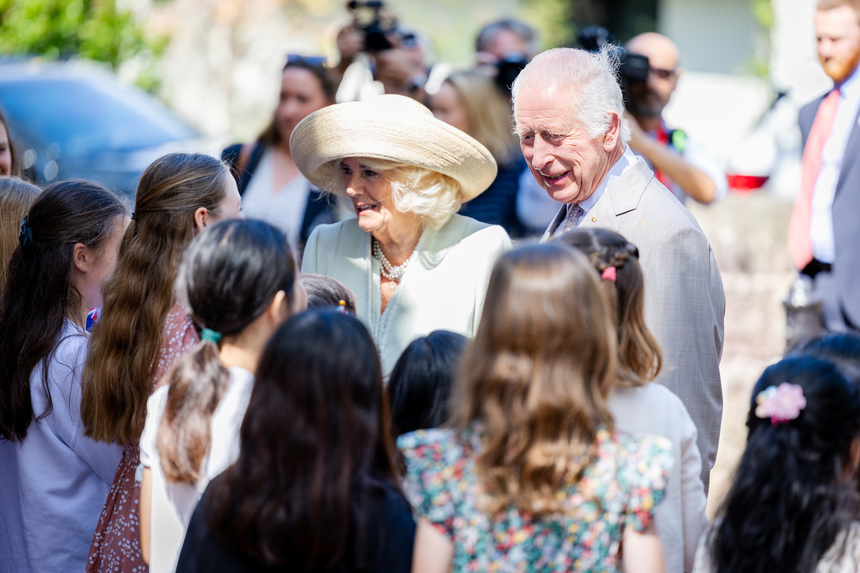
[799, 241]
[571, 220]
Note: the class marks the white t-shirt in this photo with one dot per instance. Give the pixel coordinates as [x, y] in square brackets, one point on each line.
[173, 503]
[54, 483]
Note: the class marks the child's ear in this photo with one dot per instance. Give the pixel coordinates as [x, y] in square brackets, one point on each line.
[82, 257]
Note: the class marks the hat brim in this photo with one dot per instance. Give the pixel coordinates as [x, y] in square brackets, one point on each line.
[392, 128]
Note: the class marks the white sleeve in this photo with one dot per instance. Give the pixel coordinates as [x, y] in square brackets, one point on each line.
[700, 157]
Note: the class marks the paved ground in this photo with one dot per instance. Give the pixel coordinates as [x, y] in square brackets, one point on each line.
[747, 233]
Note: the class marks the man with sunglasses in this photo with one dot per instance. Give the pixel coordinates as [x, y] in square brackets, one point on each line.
[679, 162]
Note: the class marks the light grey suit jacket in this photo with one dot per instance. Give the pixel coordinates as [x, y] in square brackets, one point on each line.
[684, 301]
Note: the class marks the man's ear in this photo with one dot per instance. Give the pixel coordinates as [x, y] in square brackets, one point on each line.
[613, 132]
[200, 217]
[82, 257]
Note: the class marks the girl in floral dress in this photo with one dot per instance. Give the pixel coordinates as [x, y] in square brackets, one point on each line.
[143, 331]
[530, 475]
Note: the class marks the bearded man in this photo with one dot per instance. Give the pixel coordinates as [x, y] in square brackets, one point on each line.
[824, 232]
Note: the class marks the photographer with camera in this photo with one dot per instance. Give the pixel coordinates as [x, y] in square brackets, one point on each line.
[394, 55]
[684, 166]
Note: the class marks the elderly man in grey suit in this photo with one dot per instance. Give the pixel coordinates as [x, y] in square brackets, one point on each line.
[569, 116]
[824, 233]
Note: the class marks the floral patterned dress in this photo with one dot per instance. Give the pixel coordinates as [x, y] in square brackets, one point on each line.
[116, 543]
[620, 488]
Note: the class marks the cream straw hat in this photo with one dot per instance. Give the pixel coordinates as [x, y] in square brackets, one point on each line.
[393, 128]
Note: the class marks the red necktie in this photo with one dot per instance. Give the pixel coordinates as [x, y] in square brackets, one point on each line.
[799, 241]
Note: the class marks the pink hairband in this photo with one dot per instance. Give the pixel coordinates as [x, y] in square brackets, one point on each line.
[781, 404]
[609, 274]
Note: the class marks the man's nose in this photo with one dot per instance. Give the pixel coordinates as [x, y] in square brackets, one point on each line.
[541, 154]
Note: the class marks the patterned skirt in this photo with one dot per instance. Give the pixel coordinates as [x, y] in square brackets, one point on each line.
[116, 543]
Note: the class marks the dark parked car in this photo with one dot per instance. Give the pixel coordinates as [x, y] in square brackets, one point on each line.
[76, 120]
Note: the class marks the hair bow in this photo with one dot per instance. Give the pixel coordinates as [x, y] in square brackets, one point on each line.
[26, 236]
[609, 274]
[781, 403]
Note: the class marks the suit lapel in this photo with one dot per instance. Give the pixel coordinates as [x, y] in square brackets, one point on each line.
[852, 149]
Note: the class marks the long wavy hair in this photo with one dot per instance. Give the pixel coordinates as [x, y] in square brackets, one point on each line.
[119, 373]
[39, 293]
[228, 278]
[536, 377]
[640, 357]
[794, 491]
[316, 449]
[16, 197]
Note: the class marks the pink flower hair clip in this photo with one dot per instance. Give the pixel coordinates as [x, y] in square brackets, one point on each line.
[609, 274]
[781, 404]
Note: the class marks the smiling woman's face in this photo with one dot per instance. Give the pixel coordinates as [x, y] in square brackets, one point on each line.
[370, 193]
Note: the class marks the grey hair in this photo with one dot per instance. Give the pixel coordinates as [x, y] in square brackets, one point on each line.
[521, 29]
[590, 79]
[431, 195]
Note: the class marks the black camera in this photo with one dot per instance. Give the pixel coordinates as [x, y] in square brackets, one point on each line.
[377, 26]
[507, 70]
[632, 68]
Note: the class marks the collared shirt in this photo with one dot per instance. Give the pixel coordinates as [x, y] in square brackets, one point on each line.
[627, 159]
[832, 156]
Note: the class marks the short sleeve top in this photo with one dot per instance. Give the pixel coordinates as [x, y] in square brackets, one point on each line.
[620, 488]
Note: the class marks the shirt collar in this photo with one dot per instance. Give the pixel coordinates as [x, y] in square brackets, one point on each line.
[850, 88]
[626, 160]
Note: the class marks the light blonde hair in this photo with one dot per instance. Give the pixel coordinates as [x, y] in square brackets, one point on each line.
[489, 113]
[432, 196]
[16, 198]
[537, 376]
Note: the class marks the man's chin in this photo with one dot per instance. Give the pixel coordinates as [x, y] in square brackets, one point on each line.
[839, 71]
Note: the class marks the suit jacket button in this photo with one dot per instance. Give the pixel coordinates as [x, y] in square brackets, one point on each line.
[594, 219]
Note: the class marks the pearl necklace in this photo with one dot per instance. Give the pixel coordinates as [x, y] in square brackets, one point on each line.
[391, 272]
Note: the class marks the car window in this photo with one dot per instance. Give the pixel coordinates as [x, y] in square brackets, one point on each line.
[85, 117]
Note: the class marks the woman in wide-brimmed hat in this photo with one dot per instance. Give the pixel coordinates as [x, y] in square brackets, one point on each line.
[413, 264]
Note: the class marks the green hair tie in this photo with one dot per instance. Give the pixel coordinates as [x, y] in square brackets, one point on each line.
[210, 335]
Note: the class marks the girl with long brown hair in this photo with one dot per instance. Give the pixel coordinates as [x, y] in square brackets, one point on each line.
[530, 475]
[640, 405]
[53, 479]
[16, 197]
[238, 282]
[143, 330]
[315, 487]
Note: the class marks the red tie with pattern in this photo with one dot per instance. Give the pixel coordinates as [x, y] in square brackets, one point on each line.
[799, 241]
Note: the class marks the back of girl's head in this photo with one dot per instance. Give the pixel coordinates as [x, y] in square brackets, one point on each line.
[326, 292]
[538, 372]
[489, 111]
[16, 197]
[230, 275]
[314, 439]
[39, 293]
[794, 489]
[419, 387]
[617, 263]
[119, 373]
[843, 349]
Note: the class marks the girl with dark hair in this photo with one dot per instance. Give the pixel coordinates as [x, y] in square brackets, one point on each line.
[419, 387]
[315, 487]
[269, 181]
[143, 330]
[238, 279]
[530, 475]
[793, 506]
[53, 479]
[639, 405]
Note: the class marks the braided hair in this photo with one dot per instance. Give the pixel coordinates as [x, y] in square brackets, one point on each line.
[617, 262]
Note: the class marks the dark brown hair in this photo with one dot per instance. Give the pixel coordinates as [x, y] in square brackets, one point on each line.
[119, 373]
[270, 136]
[316, 448]
[228, 278]
[536, 376]
[639, 352]
[325, 291]
[39, 294]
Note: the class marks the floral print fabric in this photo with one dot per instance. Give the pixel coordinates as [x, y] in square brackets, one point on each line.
[620, 488]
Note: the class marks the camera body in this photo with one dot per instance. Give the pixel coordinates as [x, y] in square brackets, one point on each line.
[632, 68]
[377, 26]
